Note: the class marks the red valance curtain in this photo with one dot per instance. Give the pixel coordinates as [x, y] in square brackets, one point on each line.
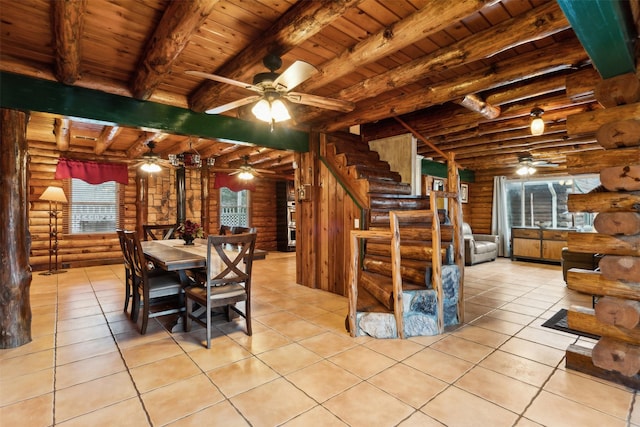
[233, 183]
[92, 172]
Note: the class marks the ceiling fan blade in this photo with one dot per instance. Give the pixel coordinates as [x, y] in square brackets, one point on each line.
[264, 171]
[234, 104]
[224, 80]
[320, 102]
[545, 165]
[298, 72]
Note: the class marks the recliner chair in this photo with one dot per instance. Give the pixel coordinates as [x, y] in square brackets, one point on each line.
[478, 247]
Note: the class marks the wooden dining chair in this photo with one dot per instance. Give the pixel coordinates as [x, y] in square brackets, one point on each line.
[159, 231]
[227, 281]
[161, 290]
[224, 230]
[128, 270]
[240, 230]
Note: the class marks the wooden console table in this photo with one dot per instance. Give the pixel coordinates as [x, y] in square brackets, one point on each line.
[540, 244]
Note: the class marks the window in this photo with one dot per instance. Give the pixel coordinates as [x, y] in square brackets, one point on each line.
[92, 208]
[543, 202]
[234, 207]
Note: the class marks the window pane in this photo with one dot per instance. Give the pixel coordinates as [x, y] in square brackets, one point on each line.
[544, 202]
[234, 208]
[93, 208]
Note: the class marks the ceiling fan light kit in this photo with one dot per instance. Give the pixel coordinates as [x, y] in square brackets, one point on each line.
[526, 170]
[150, 167]
[271, 111]
[537, 124]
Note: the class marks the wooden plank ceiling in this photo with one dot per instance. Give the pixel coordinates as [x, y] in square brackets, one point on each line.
[415, 59]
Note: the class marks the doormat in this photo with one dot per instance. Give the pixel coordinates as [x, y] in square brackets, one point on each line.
[559, 322]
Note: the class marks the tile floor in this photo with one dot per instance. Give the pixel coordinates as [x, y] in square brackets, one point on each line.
[88, 366]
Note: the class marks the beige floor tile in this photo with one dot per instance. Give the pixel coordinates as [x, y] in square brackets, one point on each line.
[482, 335]
[93, 395]
[182, 398]
[328, 344]
[299, 329]
[27, 386]
[36, 412]
[173, 369]
[534, 351]
[552, 410]
[635, 414]
[332, 321]
[504, 391]
[38, 343]
[366, 405]
[222, 413]
[241, 376]
[420, 419]
[289, 358]
[277, 318]
[596, 395]
[151, 352]
[132, 337]
[313, 380]
[126, 413]
[262, 341]
[317, 416]
[223, 351]
[525, 422]
[462, 348]
[26, 364]
[523, 309]
[84, 350]
[517, 367]
[89, 369]
[362, 361]
[71, 324]
[546, 337]
[408, 384]
[456, 407]
[272, 403]
[83, 334]
[396, 349]
[511, 316]
[440, 365]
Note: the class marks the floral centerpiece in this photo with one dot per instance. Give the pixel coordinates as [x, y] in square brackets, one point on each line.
[190, 230]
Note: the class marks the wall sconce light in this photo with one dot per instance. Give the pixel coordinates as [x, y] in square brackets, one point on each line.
[537, 124]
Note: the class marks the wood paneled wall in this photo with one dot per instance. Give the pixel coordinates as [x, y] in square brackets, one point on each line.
[104, 248]
[478, 211]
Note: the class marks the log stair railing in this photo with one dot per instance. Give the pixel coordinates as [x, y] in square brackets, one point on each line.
[391, 261]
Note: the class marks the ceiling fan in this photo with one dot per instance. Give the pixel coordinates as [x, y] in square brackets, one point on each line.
[527, 166]
[245, 171]
[152, 162]
[273, 88]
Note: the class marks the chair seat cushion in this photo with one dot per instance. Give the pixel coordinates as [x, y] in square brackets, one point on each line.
[164, 282]
[485, 247]
[217, 292]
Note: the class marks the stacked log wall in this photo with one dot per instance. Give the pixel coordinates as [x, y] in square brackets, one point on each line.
[616, 314]
[81, 250]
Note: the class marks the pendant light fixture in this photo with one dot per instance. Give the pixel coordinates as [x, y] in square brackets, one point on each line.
[537, 124]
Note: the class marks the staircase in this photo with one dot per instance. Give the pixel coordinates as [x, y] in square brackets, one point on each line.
[379, 191]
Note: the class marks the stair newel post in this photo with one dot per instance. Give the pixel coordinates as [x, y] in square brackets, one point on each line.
[353, 281]
[453, 183]
[436, 260]
[398, 310]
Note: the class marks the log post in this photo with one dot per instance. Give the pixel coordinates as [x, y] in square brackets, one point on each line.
[15, 240]
[614, 355]
[618, 312]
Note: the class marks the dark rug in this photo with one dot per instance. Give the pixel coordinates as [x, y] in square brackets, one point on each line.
[559, 322]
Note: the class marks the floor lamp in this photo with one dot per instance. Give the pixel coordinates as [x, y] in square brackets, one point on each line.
[53, 194]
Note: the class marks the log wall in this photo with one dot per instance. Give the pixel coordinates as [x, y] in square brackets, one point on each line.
[161, 207]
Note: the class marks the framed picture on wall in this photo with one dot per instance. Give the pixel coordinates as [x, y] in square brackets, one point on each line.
[438, 185]
[464, 193]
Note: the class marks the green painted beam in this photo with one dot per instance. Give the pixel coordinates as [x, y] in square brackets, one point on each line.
[604, 27]
[26, 93]
[429, 167]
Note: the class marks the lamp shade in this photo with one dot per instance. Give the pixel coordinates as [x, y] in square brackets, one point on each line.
[271, 111]
[54, 194]
[245, 175]
[151, 167]
[537, 124]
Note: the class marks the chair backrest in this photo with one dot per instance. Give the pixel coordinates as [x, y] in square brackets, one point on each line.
[241, 230]
[136, 255]
[224, 230]
[159, 231]
[123, 247]
[466, 230]
[230, 259]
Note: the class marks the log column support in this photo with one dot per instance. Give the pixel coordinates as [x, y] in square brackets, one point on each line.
[15, 240]
[142, 204]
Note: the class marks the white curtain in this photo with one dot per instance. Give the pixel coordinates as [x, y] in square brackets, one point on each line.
[499, 218]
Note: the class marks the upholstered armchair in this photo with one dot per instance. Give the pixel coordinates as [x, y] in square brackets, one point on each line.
[478, 247]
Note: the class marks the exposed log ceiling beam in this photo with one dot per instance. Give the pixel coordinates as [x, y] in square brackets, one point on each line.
[434, 16]
[238, 154]
[180, 20]
[561, 56]
[106, 138]
[140, 145]
[540, 22]
[68, 24]
[302, 21]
